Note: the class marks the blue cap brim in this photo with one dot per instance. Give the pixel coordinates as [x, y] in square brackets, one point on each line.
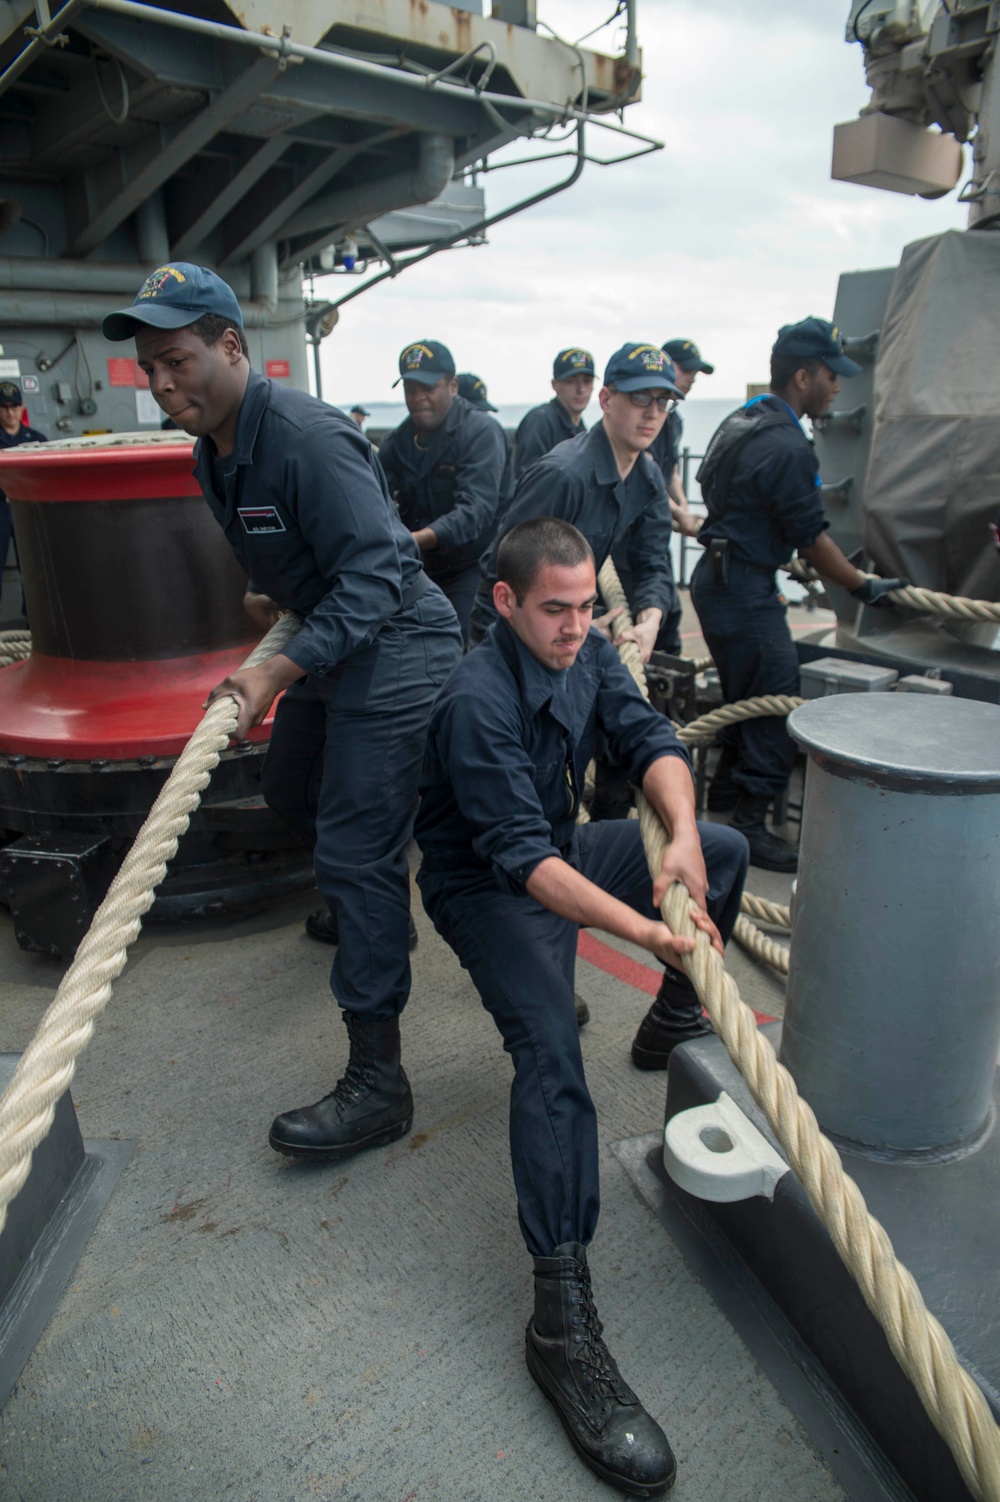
[647, 383]
[841, 365]
[122, 325]
[701, 365]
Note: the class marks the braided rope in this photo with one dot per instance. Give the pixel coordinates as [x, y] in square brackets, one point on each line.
[932, 602]
[911, 597]
[14, 647]
[765, 911]
[704, 728]
[921, 1345]
[48, 1063]
[756, 942]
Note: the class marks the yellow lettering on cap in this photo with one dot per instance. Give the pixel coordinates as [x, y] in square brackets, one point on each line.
[414, 354]
[159, 279]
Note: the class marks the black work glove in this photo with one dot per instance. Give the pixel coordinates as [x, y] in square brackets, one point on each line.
[874, 591]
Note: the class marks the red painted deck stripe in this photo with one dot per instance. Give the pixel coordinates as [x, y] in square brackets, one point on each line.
[632, 972]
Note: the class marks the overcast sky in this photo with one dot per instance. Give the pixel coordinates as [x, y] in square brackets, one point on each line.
[733, 229]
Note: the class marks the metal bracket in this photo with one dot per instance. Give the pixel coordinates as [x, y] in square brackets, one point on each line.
[853, 420]
[715, 1153]
[862, 347]
[839, 491]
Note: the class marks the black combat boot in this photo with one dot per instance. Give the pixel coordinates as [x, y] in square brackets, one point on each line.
[675, 1017]
[322, 925]
[767, 850]
[723, 792]
[370, 1106]
[607, 1425]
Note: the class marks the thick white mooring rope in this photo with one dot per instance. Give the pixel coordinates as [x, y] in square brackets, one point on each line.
[911, 597]
[49, 1062]
[920, 1343]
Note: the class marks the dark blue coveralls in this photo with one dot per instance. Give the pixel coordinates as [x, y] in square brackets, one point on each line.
[7, 441]
[457, 480]
[540, 430]
[507, 750]
[770, 508]
[664, 452]
[579, 481]
[305, 507]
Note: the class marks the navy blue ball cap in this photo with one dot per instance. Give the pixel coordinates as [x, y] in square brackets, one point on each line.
[572, 362]
[641, 367]
[473, 388]
[173, 297]
[10, 394]
[427, 361]
[815, 339]
[687, 356]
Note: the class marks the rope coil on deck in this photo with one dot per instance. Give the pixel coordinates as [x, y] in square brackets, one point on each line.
[14, 647]
[919, 1342]
[48, 1063]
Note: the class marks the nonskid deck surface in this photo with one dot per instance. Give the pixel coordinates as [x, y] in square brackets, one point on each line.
[241, 1327]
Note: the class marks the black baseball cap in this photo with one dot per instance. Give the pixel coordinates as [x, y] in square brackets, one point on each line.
[572, 362]
[815, 339]
[10, 394]
[473, 388]
[427, 361]
[172, 298]
[687, 356]
[641, 367]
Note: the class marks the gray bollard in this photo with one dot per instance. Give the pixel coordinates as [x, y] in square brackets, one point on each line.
[892, 1021]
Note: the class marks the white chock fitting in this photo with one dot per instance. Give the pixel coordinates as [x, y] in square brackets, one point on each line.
[715, 1153]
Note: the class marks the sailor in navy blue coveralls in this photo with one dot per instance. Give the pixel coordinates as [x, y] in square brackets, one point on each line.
[300, 495]
[449, 469]
[541, 428]
[768, 507]
[509, 741]
[582, 481]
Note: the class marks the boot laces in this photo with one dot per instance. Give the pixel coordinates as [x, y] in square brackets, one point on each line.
[592, 1354]
[353, 1084]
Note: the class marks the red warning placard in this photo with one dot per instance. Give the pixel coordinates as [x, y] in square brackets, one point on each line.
[121, 372]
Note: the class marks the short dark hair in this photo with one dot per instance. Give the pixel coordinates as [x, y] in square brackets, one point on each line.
[531, 545]
[783, 368]
[210, 328]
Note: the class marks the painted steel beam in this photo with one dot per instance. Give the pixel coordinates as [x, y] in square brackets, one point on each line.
[256, 228]
[182, 146]
[77, 117]
[232, 194]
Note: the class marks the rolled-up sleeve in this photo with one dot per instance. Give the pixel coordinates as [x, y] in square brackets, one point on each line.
[789, 487]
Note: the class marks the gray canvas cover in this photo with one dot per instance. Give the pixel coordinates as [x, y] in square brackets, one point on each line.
[933, 482]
